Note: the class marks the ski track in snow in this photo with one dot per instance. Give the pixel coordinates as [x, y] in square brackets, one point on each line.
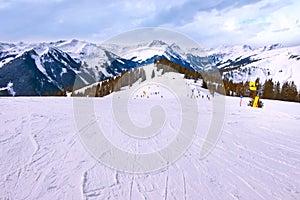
[257, 156]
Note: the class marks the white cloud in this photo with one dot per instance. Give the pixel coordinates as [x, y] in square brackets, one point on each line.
[255, 23]
[214, 22]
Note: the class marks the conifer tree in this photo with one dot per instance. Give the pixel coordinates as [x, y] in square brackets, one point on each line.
[97, 90]
[285, 91]
[277, 91]
[153, 74]
[204, 84]
[268, 89]
[142, 74]
[293, 92]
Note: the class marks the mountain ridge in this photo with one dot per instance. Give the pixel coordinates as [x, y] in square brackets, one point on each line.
[63, 60]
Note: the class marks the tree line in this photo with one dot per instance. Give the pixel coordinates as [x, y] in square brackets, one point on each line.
[106, 87]
[268, 90]
[168, 66]
[287, 92]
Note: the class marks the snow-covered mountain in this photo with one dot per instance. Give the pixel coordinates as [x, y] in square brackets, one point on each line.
[46, 68]
[243, 63]
[238, 63]
[146, 53]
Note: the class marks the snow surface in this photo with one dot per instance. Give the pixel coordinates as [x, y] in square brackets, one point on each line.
[143, 53]
[257, 155]
[4, 61]
[39, 64]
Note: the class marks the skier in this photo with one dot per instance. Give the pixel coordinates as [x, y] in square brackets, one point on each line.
[208, 97]
[241, 100]
[193, 91]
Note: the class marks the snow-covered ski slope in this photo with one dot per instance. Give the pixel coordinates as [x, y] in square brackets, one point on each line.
[257, 155]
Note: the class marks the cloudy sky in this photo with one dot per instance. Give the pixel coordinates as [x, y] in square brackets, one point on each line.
[210, 23]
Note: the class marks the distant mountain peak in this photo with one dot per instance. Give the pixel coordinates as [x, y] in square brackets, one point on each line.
[248, 47]
[157, 43]
[57, 42]
[273, 46]
[174, 45]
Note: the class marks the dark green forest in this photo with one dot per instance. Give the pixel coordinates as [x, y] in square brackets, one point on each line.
[267, 90]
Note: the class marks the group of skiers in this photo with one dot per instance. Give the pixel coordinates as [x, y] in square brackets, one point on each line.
[148, 92]
[145, 94]
[197, 94]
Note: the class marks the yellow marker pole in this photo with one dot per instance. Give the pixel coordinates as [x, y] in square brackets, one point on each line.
[255, 102]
